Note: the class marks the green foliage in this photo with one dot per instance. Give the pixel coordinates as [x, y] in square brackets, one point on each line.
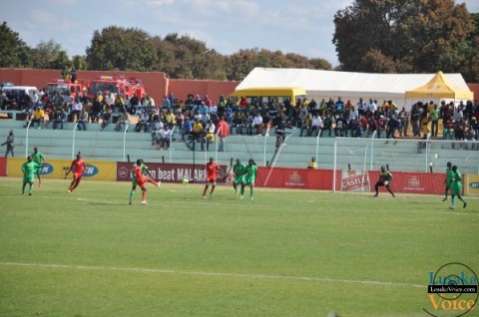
[49, 55]
[121, 48]
[13, 51]
[405, 36]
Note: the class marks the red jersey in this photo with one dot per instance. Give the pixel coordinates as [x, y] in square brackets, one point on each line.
[212, 170]
[137, 170]
[78, 167]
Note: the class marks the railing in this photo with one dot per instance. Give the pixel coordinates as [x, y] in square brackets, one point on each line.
[26, 137]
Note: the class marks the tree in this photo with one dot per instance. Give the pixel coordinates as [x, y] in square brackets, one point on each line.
[186, 57]
[79, 62]
[13, 51]
[402, 35]
[49, 55]
[242, 62]
[121, 48]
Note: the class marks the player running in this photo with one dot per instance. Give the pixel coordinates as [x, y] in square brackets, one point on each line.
[385, 179]
[456, 188]
[211, 176]
[140, 175]
[239, 171]
[449, 179]
[38, 158]
[77, 167]
[249, 178]
[29, 169]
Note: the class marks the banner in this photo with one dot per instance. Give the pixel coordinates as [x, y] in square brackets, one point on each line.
[171, 173]
[280, 177]
[352, 181]
[3, 166]
[56, 169]
[409, 182]
[471, 185]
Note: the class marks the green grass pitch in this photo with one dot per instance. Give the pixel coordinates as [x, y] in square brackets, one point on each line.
[287, 253]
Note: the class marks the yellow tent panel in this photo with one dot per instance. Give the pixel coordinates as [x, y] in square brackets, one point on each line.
[439, 88]
[291, 92]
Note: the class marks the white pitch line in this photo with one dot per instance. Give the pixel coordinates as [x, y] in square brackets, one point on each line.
[220, 274]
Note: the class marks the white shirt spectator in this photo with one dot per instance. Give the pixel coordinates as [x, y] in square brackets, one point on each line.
[211, 128]
[77, 106]
[372, 106]
[317, 122]
[257, 120]
[110, 99]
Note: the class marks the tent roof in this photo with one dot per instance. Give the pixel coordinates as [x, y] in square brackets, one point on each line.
[335, 83]
[438, 87]
[269, 92]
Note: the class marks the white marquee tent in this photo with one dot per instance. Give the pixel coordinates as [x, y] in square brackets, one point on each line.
[347, 85]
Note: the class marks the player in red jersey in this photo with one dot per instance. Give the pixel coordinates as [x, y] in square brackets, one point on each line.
[211, 176]
[77, 167]
[140, 175]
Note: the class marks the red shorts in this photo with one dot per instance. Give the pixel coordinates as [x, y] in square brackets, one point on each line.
[211, 180]
[77, 176]
[141, 185]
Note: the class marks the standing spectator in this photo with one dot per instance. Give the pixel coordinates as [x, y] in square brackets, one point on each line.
[257, 124]
[77, 108]
[9, 143]
[210, 134]
[316, 125]
[434, 121]
[223, 132]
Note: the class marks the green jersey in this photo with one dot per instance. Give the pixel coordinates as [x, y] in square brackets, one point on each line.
[456, 182]
[239, 170]
[38, 158]
[250, 177]
[29, 170]
[449, 177]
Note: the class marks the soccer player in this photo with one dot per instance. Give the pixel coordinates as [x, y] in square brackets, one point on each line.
[29, 169]
[448, 180]
[140, 175]
[211, 176]
[456, 188]
[77, 167]
[385, 179]
[38, 158]
[239, 171]
[249, 178]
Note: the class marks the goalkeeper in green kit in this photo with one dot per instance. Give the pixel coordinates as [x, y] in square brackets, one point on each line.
[39, 159]
[29, 170]
[249, 178]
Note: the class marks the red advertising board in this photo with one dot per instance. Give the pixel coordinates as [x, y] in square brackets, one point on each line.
[300, 178]
[418, 183]
[3, 166]
[171, 173]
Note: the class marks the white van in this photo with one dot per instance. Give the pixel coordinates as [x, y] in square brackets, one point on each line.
[16, 92]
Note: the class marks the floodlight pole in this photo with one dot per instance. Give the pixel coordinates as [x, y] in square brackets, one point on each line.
[26, 138]
[73, 139]
[124, 140]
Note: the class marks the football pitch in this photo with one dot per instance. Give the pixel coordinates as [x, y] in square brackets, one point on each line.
[287, 253]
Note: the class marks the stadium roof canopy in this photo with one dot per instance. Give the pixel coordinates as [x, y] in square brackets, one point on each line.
[320, 84]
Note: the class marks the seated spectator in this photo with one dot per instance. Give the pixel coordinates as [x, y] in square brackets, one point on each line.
[59, 118]
[77, 108]
[257, 124]
[143, 122]
[38, 117]
[83, 120]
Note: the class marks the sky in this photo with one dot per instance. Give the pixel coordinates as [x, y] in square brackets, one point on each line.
[300, 26]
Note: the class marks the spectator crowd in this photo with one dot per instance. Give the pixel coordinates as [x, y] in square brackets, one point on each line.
[199, 121]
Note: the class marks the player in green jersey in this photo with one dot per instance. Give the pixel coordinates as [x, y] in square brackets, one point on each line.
[29, 169]
[249, 178]
[456, 188]
[38, 158]
[239, 171]
[448, 180]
